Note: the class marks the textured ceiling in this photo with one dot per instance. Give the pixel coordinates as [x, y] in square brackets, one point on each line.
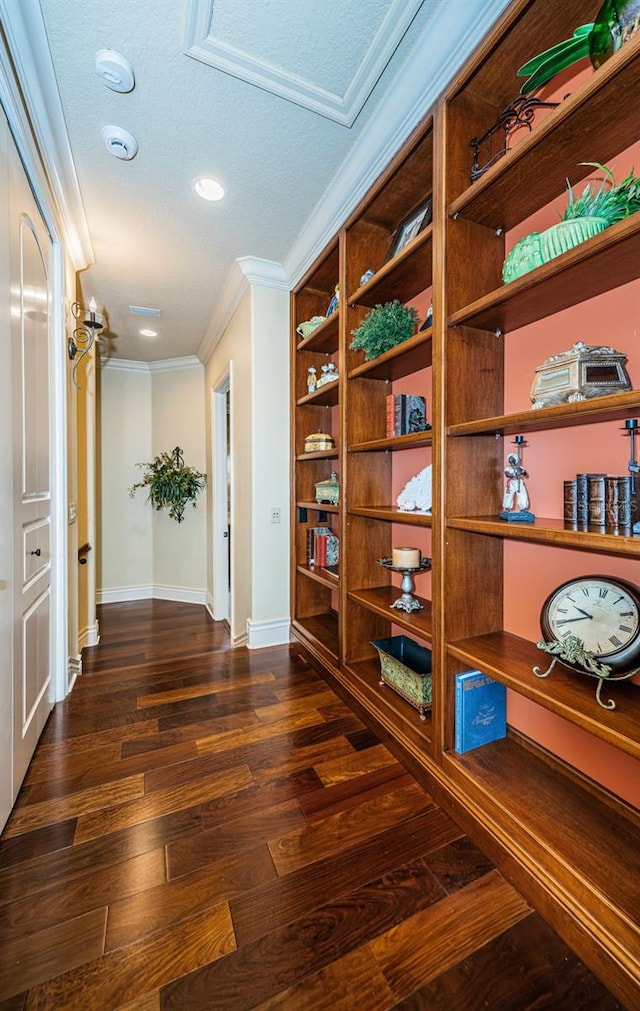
[155, 242]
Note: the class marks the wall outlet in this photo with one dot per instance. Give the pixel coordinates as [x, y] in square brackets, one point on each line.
[73, 512]
[275, 515]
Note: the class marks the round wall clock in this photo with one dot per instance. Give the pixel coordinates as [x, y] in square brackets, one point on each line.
[602, 611]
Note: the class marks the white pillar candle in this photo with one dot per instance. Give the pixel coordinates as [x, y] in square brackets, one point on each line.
[405, 558]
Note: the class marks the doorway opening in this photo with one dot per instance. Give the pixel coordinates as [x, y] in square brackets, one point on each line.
[222, 547]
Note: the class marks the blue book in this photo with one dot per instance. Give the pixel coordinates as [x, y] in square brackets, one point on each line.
[481, 710]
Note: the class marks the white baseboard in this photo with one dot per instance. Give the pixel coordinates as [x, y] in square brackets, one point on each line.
[209, 606]
[74, 670]
[267, 633]
[89, 636]
[239, 640]
[182, 594]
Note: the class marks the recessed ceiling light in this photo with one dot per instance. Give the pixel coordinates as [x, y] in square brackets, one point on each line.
[149, 333]
[208, 189]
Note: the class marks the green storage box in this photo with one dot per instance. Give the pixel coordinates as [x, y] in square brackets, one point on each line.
[406, 667]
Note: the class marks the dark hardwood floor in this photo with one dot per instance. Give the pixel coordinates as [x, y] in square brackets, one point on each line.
[206, 828]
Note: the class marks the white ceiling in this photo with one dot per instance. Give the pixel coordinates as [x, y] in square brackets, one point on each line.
[291, 104]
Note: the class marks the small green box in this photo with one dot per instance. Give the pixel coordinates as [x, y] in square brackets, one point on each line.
[406, 667]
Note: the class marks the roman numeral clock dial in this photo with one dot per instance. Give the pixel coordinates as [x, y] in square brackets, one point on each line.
[602, 611]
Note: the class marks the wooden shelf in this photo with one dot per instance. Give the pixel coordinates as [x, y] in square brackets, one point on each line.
[394, 442]
[549, 531]
[318, 507]
[614, 407]
[604, 262]
[410, 272]
[362, 679]
[392, 514]
[410, 356]
[321, 630]
[326, 396]
[583, 844]
[535, 171]
[379, 599]
[325, 338]
[510, 659]
[321, 454]
[318, 575]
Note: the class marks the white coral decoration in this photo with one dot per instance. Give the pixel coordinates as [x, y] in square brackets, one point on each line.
[416, 494]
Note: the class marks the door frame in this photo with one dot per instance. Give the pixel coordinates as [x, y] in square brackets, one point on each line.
[221, 546]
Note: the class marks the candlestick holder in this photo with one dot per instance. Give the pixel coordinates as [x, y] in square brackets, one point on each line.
[406, 602]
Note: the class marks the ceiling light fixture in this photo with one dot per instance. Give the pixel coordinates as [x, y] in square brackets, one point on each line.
[148, 333]
[141, 310]
[208, 188]
[89, 322]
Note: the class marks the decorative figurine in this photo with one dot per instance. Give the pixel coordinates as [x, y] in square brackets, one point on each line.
[368, 274]
[312, 380]
[335, 301]
[515, 503]
[329, 372]
[428, 320]
[305, 329]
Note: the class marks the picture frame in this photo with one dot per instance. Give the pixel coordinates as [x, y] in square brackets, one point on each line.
[412, 225]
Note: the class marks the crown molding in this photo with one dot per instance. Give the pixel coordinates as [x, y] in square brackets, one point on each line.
[29, 95]
[201, 44]
[163, 365]
[266, 272]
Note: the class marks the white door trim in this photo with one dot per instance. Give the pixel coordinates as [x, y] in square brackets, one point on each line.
[222, 551]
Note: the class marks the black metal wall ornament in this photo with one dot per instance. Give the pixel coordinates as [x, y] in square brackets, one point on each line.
[519, 113]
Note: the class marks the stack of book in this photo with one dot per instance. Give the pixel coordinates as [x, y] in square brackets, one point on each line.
[323, 547]
[599, 502]
[406, 412]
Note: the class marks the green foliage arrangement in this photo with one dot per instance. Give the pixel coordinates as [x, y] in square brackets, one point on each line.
[609, 200]
[170, 484]
[384, 327]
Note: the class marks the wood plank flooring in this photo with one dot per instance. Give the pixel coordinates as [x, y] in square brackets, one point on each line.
[207, 828]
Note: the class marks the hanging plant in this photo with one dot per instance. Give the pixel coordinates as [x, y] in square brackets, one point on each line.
[383, 328]
[170, 484]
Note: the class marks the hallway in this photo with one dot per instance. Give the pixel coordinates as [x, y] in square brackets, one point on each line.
[207, 828]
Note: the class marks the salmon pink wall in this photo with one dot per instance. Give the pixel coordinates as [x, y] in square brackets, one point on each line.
[532, 571]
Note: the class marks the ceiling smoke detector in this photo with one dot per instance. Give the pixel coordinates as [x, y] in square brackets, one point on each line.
[115, 70]
[120, 143]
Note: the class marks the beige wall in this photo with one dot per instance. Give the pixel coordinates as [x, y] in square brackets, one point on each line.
[179, 549]
[255, 349]
[143, 552]
[125, 539]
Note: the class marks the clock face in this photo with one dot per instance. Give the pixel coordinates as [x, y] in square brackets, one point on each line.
[603, 612]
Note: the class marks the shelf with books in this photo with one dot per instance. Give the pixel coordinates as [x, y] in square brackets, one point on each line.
[606, 261]
[320, 575]
[548, 531]
[510, 659]
[411, 441]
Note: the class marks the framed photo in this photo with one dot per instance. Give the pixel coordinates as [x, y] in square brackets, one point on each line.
[419, 218]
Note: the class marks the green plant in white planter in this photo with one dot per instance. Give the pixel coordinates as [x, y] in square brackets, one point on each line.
[171, 485]
[597, 207]
[384, 327]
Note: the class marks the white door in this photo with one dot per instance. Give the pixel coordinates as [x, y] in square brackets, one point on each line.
[30, 312]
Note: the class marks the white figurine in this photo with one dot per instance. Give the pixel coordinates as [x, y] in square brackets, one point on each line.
[416, 494]
[515, 494]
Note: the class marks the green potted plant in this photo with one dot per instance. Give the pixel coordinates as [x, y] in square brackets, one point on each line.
[384, 327]
[597, 207]
[171, 485]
